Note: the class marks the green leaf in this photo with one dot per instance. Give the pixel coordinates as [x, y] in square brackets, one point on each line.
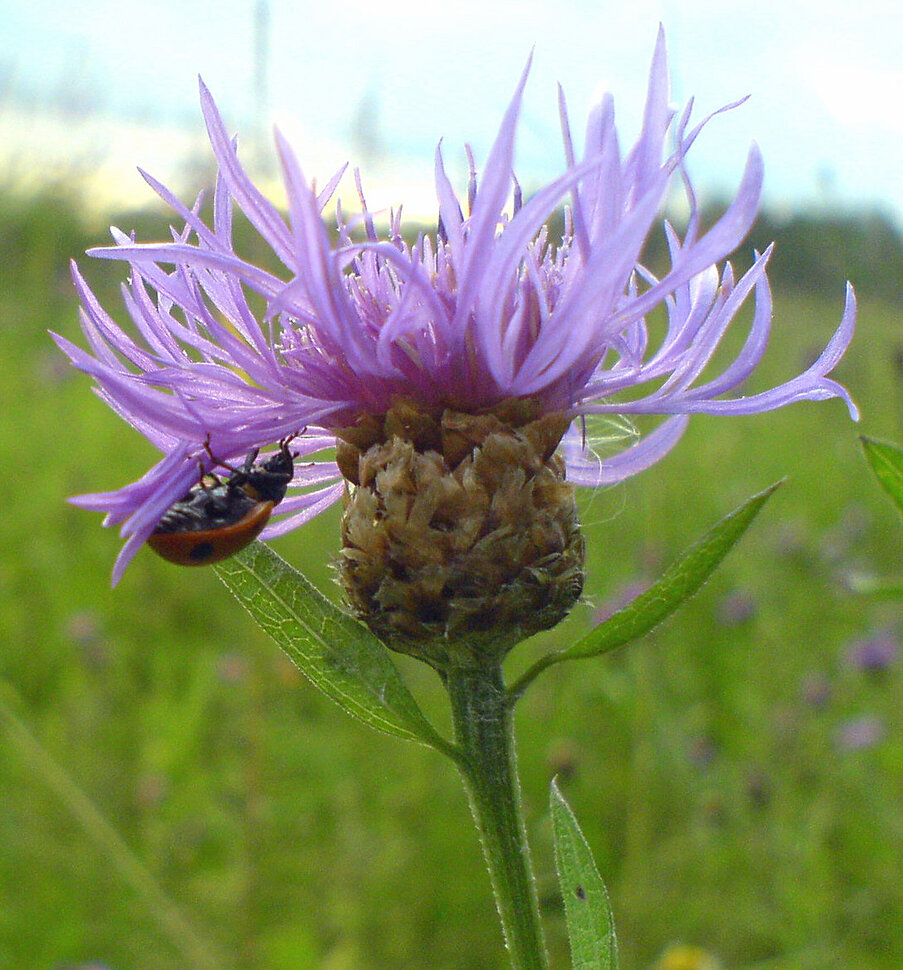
[334, 651]
[886, 460]
[591, 928]
[678, 584]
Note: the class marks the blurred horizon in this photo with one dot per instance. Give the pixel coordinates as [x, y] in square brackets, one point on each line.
[89, 93]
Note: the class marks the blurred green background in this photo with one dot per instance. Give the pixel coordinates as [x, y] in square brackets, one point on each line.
[739, 773]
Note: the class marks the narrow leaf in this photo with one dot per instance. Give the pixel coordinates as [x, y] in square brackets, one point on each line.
[587, 909]
[677, 585]
[334, 651]
[886, 460]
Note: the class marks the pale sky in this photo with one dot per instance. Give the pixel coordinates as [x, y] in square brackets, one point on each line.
[825, 81]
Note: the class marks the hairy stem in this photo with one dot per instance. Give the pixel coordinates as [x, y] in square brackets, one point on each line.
[483, 731]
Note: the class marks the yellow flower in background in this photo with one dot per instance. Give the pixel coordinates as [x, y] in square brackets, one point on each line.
[680, 957]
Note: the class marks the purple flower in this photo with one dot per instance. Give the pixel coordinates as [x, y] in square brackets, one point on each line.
[486, 311]
[860, 733]
[737, 608]
[619, 600]
[815, 689]
[875, 653]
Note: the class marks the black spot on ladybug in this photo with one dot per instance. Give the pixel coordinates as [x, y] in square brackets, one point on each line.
[202, 551]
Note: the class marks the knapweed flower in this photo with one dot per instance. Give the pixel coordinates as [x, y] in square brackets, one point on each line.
[874, 653]
[455, 372]
[860, 733]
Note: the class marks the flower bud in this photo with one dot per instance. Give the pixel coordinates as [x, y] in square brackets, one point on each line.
[460, 535]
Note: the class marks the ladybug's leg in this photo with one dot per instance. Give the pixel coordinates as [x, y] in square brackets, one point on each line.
[250, 458]
[240, 475]
[243, 471]
[283, 445]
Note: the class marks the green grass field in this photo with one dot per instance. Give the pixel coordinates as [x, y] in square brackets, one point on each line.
[174, 795]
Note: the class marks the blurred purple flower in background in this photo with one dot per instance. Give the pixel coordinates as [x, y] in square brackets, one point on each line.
[736, 608]
[488, 310]
[619, 599]
[860, 733]
[816, 690]
[874, 653]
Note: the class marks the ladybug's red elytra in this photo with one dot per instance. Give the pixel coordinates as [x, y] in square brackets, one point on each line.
[218, 517]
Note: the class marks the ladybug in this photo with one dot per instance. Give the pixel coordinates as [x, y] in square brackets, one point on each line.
[218, 517]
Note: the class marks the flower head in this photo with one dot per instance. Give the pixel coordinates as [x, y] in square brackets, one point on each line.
[229, 356]
[875, 653]
[860, 733]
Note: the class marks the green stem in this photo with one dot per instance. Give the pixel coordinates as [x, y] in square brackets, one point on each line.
[482, 720]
